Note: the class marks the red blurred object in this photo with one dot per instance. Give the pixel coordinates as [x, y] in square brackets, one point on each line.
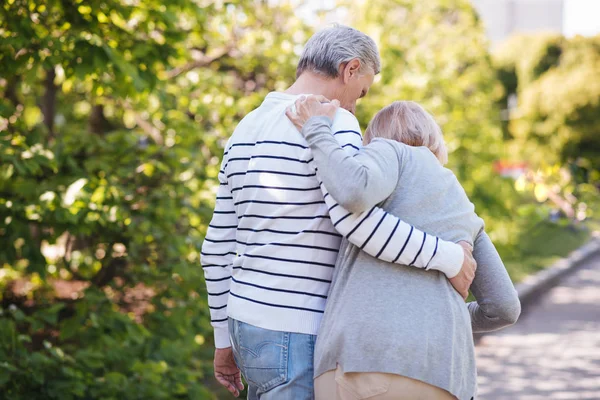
[512, 169]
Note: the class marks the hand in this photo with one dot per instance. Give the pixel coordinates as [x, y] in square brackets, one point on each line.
[311, 106]
[227, 372]
[462, 281]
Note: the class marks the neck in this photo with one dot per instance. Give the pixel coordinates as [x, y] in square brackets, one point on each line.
[311, 83]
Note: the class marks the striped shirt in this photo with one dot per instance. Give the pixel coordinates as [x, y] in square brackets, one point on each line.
[271, 246]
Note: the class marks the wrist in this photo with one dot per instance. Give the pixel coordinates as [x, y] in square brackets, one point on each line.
[323, 119]
[317, 129]
[449, 259]
[222, 340]
[316, 123]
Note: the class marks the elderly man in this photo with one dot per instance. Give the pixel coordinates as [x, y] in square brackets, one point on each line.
[271, 246]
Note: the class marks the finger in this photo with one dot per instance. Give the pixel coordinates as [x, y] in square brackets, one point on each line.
[311, 101]
[330, 111]
[472, 262]
[335, 102]
[232, 389]
[331, 106]
[238, 382]
[466, 244]
[289, 113]
[224, 382]
[292, 116]
[299, 102]
[318, 98]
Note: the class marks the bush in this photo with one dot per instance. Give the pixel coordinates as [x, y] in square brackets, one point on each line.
[113, 121]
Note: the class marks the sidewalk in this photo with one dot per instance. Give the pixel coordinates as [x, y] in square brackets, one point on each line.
[553, 352]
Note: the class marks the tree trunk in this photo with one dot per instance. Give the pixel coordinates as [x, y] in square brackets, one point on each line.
[98, 123]
[11, 90]
[49, 100]
[109, 270]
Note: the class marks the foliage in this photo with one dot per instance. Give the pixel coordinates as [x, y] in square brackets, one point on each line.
[556, 125]
[113, 116]
[558, 94]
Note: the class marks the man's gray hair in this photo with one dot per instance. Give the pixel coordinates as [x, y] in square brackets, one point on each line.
[326, 50]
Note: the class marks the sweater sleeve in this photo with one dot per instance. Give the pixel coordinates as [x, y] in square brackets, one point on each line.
[218, 253]
[497, 304]
[357, 180]
[361, 179]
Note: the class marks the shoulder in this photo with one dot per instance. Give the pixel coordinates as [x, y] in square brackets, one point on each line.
[345, 115]
[249, 118]
[345, 121]
[401, 149]
[346, 130]
[245, 125]
[391, 150]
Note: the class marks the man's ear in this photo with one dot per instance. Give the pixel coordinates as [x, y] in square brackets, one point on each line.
[350, 70]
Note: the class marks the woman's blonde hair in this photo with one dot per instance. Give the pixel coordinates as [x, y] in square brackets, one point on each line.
[407, 122]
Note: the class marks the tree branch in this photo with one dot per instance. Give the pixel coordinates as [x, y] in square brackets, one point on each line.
[150, 129]
[147, 126]
[554, 197]
[202, 61]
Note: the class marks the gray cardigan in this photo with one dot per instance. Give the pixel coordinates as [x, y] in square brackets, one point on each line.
[383, 317]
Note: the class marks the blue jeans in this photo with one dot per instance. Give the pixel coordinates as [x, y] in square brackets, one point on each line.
[276, 365]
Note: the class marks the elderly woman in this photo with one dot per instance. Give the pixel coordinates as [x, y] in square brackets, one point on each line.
[391, 331]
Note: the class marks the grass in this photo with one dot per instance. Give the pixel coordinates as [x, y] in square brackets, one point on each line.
[544, 245]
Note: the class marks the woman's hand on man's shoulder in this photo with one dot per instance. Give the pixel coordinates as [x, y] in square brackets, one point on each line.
[311, 106]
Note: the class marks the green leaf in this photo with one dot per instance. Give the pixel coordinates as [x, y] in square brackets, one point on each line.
[125, 67]
[50, 314]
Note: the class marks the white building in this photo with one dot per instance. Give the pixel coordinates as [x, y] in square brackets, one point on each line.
[503, 18]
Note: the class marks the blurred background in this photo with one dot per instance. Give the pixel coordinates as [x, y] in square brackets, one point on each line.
[113, 118]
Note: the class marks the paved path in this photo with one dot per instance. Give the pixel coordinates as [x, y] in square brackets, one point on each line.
[553, 352]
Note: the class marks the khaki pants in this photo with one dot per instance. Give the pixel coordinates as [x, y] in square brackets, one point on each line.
[335, 385]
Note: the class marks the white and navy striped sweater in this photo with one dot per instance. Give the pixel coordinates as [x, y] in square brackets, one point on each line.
[271, 247]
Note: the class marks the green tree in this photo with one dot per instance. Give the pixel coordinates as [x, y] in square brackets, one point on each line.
[556, 123]
[112, 120]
